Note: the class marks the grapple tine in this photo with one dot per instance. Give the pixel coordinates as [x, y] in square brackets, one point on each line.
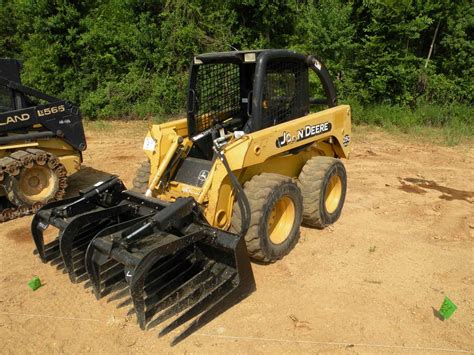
[169, 244]
[180, 292]
[190, 299]
[163, 268]
[170, 283]
[93, 260]
[200, 271]
[212, 299]
[157, 283]
[93, 270]
[39, 224]
[238, 283]
[222, 299]
[85, 227]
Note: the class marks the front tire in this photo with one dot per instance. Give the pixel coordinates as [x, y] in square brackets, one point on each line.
[276, 208]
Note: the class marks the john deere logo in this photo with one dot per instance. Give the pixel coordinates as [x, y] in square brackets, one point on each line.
[15, 119]
[203, 176]
[303, 133]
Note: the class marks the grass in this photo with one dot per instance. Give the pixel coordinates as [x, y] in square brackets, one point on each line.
[448, 125]
[134, 128]
[101, 125]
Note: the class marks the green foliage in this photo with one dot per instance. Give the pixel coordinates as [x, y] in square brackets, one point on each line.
[454, 119]
[129, 58]
[325, 30]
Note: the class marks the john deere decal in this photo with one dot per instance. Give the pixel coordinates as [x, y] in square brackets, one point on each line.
[303, 133]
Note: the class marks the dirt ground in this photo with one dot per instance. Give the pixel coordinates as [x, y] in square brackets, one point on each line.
[370, 283]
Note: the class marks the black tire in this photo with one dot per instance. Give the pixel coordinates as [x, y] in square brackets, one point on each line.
[142, 176]
[315, 179]
[264, 192]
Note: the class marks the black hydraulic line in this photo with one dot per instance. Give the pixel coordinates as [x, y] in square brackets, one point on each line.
[242, 199]
[26, 136]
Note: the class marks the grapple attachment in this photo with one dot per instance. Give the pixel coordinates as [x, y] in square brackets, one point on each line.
[176, 266]
[79, 219]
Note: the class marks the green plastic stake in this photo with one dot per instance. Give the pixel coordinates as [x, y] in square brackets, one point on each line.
[447, 308]
[34, 283]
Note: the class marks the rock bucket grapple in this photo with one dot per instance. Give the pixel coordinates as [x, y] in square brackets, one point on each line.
[174, 264]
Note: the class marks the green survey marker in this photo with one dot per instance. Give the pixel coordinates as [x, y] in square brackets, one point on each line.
[447, 308]
[34, 283]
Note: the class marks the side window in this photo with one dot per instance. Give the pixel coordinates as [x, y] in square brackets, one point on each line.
[5, 99]
[217, 93]
[285, 93]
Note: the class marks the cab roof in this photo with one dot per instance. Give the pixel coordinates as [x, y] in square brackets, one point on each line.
[249, 56]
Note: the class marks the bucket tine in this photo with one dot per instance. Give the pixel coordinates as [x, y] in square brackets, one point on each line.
[168, 245]
[238, 282]
[219, 300]
[180, 293]
[94, 259]
[192, 297]
[84, 227]
[193, 275]
[38, 226]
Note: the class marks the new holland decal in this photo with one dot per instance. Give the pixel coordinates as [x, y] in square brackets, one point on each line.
[303, 133]
[15, 119]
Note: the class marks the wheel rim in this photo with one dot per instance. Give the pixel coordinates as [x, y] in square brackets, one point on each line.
[333, 193]
[281, 220]
[37, 183]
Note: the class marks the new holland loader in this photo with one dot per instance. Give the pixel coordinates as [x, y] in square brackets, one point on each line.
[231, 182]
[40, 145]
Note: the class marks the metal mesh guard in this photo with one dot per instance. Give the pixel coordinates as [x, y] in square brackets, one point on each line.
[217, 93]
[283, 97]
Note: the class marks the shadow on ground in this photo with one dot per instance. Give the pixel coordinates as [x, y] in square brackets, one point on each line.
[420, 186]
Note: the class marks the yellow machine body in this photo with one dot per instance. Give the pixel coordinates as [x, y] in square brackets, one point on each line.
[324, 133]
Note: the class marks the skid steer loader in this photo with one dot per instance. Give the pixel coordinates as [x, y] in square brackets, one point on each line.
[40, 145]
[232, 181]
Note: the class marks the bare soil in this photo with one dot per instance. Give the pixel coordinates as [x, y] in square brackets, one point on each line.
[372, 282]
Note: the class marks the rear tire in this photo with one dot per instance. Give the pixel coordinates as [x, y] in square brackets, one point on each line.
[276, 208]
[323, 183]
[142, 176]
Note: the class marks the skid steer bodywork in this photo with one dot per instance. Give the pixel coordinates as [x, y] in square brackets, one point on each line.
[248, 113]
[41, 144]
[267, 150]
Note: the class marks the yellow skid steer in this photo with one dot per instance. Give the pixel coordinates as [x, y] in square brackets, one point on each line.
[233, 181]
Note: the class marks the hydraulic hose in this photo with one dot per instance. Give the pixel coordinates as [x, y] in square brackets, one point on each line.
[242, 199]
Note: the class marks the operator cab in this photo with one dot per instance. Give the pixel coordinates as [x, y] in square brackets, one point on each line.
[10, 99]
[232, 94]
[246, 91]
